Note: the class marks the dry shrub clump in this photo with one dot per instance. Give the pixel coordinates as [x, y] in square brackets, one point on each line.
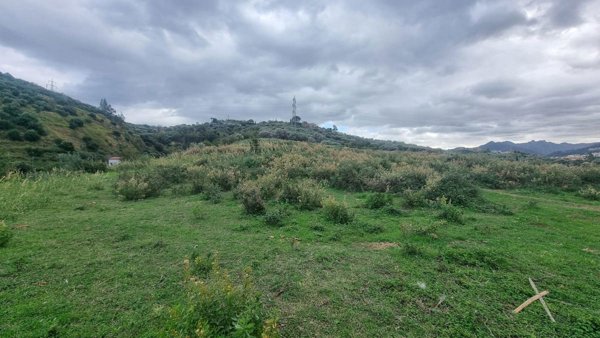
[306, 194]
[138, 186]
[337, 212]
[249, 193]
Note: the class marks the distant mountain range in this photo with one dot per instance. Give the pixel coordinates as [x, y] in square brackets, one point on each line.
[542, 147]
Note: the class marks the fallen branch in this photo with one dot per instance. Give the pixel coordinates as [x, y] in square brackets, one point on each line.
[530, 300]
[542, 301]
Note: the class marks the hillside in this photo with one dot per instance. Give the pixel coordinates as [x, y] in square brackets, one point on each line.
[42, 129]
[542, 147]
[168, 139]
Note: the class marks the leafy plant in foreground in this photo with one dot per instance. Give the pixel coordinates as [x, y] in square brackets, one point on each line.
[217, 306]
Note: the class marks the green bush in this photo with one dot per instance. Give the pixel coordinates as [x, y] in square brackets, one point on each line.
[212, 192]
[14, 135]
[371, 228]
[5, 234]
[31, 136]
[64, 145]
[590, 193]
[6, 125]
[217, 306]
[456, 188]
[274, 217]
[174, 174]
[449, 212]
[337, 212]
[249, 193]
[306, 194]
[378, 200]
[75, 123]
[414, 199]
[226, 179]
[392, 210]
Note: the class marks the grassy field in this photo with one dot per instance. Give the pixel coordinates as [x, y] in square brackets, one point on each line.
[84, 263]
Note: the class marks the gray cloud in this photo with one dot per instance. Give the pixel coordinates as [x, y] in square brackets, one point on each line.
[439, 73]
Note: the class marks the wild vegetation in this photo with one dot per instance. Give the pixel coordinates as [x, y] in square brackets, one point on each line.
[41, 129]
[312, 240]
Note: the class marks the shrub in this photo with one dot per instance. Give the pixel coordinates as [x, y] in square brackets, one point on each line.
[138, 186]
[172, 173]
[31, 135]
[407, 178]
[414, 199]
[14, 135]
[249, 193]
[274, 217]
[371, 228]
[24, 168]
[6, 125]
[456, 188]
[350, 175]
[269, 185]
[306, 194]
[216, 306]
[5, 234]
[449, 212]
[226, 179]
[590, 193]
[64, 145]
[337, 212]
[212, 192]
[392, 210]
[410, 249]
[75, 123]
[378, 200]
[198, 212]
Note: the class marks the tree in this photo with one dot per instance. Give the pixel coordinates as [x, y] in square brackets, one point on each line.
[106, 108]
[31, 135]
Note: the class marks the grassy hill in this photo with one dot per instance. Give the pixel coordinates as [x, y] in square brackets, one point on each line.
[42, 129]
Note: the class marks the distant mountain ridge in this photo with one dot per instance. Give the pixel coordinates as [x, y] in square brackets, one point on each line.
[541, 147]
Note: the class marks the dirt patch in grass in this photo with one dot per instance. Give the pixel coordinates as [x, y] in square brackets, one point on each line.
[379, 245]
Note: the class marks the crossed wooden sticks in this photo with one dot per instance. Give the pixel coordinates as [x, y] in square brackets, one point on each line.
[540, 296]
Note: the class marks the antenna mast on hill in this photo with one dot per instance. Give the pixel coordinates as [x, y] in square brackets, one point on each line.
[50, 85]
[294, 109]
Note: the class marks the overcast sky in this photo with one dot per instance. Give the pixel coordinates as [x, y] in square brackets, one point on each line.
[431, 72]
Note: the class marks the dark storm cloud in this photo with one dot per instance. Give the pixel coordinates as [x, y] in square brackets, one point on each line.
[441, 73]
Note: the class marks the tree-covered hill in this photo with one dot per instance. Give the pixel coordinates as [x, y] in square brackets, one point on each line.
[167, 139]
[42, 129]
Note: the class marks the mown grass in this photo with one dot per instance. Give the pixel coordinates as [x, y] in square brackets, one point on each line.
[82, 262]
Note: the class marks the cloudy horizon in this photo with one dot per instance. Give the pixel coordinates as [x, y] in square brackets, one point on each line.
[435, 73]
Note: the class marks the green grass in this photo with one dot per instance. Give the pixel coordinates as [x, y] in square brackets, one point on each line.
[84, 263]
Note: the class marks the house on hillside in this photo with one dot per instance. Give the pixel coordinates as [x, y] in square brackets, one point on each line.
[114, 161]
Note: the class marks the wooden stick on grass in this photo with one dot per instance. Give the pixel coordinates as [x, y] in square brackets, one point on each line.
[530, 300]
[542, 301]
